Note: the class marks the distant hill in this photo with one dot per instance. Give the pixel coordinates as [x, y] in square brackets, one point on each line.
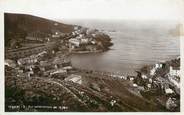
[17, 26]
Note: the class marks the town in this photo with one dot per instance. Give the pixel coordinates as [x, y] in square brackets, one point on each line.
[39, 76]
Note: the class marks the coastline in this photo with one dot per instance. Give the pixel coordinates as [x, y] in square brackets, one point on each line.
[88, 52]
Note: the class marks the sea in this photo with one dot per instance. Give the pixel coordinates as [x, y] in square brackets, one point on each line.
[136, 43]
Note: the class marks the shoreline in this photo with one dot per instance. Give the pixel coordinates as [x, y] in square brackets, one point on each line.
[86, 52]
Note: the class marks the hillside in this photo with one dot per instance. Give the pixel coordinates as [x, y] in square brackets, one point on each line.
[17, 26]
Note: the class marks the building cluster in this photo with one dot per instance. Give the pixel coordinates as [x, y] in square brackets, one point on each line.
[39, 60]
[84, 39]
[40, 65]
[162, 80]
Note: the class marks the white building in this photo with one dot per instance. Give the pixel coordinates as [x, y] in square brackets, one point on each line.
[112, 102]
[27, 60]
[135, 85]
[168, 91]
[156, 66]
[144, 76]
[93, 42]
[122, 77]
[152, 71]
[59, 71]
[84, 41]
[149, 86]
[74, 78]
[10, 63]
[74, 42]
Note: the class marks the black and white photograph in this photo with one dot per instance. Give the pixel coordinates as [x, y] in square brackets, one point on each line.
[92, 55]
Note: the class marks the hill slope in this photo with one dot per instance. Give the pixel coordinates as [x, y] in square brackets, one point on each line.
[17, 26]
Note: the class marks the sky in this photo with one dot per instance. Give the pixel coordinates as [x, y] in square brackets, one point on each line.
[98, 9]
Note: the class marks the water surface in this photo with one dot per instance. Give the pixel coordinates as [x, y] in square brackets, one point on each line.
[136, 43]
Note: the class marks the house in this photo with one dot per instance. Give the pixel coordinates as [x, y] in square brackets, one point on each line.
[53, 72]
[135, 85]
[150, 80]
[84, 41]
[158, 65]
[149, 86]
[27, 60]
[152, 71]
[168, 91]
[74, 42]
[10, 63]
[122, 77]
[58, 71]
[113, 102]
[74, 78]
[74, 33]
[55, 36]
[131, 78]
[144, 76]
[155, 67]
[93, 42]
